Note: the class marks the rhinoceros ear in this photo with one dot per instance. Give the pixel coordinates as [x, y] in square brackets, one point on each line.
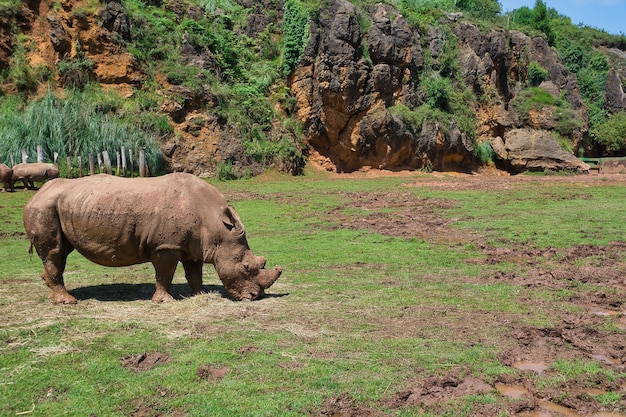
[231, 220]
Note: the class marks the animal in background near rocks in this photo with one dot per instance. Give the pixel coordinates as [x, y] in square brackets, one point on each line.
[36, 171]
[116, 221]
[6, 176]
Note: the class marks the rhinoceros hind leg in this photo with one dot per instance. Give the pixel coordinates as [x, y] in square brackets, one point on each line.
[164, 262]
[53, 275]
[193, 273]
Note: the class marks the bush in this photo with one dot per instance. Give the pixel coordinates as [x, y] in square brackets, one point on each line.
[533, 98]
[536, 74]
[25, 77]
[75, 73]
[438, 91]
[484, 152]
[612, 133]
[225, 171]
[484, 9]
[295, 31]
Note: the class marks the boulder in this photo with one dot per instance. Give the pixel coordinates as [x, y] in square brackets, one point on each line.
[115, 19]
[537, 150]
[60, 39]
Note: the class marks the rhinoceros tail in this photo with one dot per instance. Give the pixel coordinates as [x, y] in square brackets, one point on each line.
[30, 251]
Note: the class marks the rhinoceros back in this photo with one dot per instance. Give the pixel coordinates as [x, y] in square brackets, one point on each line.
[36, 171]
[119, 221]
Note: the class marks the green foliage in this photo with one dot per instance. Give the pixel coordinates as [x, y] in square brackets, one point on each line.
[25, 77]
[483, 9]
[413, 118]
[438, 91]
[523, 16]
[75, 73]
[179, 74]
[591, 68]
[574, 57]
[210, 6]
[533, 98]
[295, 33]
[609, 399]
[536, 74]
[541, 21]
[266, 152]
[70, 127]
[612, 133]
[7, 6]
[485, 153]
[225, 171]
[422, 14]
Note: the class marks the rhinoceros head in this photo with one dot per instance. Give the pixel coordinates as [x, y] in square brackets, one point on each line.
[242, 272]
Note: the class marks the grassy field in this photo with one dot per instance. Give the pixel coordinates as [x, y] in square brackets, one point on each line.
[402, 295]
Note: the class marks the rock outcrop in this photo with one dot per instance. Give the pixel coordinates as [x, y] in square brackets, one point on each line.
[615, 98]
[345, 100]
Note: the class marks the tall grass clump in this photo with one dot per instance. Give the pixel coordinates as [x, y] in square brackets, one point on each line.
[72, 126]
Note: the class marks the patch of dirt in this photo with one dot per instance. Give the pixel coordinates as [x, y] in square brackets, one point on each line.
[143, 408]
[436, 390]
[392, 214]
[145, 361]
[345, 406]
[212, 372]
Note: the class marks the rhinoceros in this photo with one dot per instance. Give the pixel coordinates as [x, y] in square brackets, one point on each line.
[115, 221]
[36, 171]
[6, 177]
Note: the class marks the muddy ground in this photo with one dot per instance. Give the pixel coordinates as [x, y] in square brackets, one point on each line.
[531, 351]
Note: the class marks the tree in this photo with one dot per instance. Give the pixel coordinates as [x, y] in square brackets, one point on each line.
[485, 9]
[612, 133]
[541, 21]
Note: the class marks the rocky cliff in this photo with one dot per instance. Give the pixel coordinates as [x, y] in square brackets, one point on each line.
[344, 99]
[362, 88]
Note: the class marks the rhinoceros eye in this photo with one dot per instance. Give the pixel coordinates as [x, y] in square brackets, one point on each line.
[246, 266]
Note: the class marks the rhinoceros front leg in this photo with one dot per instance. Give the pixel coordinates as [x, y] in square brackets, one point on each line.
[164, 262]
[193, 273]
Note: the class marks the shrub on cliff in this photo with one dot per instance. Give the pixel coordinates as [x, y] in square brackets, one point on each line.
[612, 133]
[295, 33]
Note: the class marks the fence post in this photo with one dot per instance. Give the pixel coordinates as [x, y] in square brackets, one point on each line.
[80, 165]
[124, 160]
[142, 164]
[24, 156]
[12, 161]
[40, 157]
[132, 163]
[69, 167]
[56, 158]
[107, 162]
[100, 168]
[92, 165]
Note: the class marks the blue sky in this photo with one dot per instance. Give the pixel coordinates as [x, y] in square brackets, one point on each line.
[609, 15]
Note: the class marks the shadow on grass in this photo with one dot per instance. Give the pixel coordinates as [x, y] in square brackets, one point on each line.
[135, 292]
